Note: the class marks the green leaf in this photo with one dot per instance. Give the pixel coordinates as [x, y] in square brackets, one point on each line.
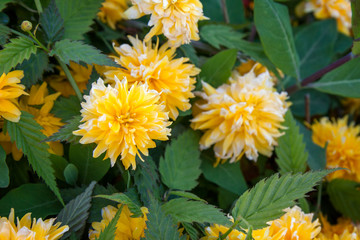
[315, 45]
[77, 51]
[75, 213]
[123, 199]
[186, 195]
[71, 174]
[345, 196]
[4, 170]
[319, 102]
[184, 210]
[355, 8]
[52, 23]
[59, 164]
[235, 9]
[90, 169]
[227, 175]
[15, 52]
[342, 81]
[180, 169]
[67, 108]
[4, 34]
[26, 133]
[93, 78]
[291, 154]
[193, 233]
[273, 25]
[65, 133]
[269, 197]
[34, 198]
[109, 231]
[98, 203]
[34, 68]
[78, 15]
[160, 226]
[3, 4]
[190, 52]
[217, 69]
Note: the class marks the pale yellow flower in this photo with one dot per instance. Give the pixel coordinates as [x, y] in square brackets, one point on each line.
[258, 68]
[242, 117]
[112, 11]
[127, 227]
[338, 9]
[122, 121]
[342, 149]
[343, 230]
[213, 232]
[10, 90]
[10, 147]
[25, 229]
[173, 79]
[176, 19]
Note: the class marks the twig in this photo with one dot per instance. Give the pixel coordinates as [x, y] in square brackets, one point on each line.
[252, 33]
[225, 12]
[307, 108]
[70, 78]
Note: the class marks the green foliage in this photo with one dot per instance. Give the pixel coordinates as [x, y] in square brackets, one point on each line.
[123, 199]
[186, 195]
[75, 213]
[227, 175]
[342, 81]
[66, 108]
[78, 15]
[34, 198]
[273, 25]
[319, 102]
[77, 51]
[65, 134]
[34, 68]
[109, 231]
[355, 8]
[190, 52]
[52, 23]
[291, 154]
[98, 203]
[184, 210]
[15, 52]
[345, 196]
[26, 133]
[160, 225]
[269, 197]
[3, 4]
[4, 34]
[4, 170]
[191, 231]
[217, 69]
[90, 169]
[59, 164]
[234, 8]
[71, 174]
[180, 167]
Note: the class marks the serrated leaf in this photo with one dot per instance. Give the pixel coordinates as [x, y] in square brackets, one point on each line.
[35, 198]
[193, 233]
[93, 78]
[273, 25]
[160, 226]
[180, 167]
[3, 4]
[4, 170]
[34, 68]
[52, 23]
[65, 133]
[270, 196]
[109, 231]
[15, 52]
[345, 196]
[66, 108]
[186, 195]
[217, 69]
[75, 213]
[184, 210]
[77, 51]
[190, 53]
[124, 199]
[27, 136]
[4, 34]
[98, 203]
[342, 81]
[291, 154]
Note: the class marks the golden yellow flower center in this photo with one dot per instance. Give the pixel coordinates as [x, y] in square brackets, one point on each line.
[126, 118]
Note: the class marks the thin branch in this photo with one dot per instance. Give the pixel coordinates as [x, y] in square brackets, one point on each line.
[307, 108]
[225, 12]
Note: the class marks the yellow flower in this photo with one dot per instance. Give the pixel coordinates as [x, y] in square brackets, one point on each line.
[25, 229]
[122, 121]
[249, 65]
[343, 230]
[243, 117]
[112, 11]
[10, 147]
[338, 9]
[176, 19]
[61, 84]
[10, 90]
[173, 78]
[293, 225]
[213, 232]
[343, 146]
[127, 227]
[39, 95]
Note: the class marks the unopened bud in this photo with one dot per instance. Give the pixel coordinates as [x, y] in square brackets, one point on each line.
[26, 26]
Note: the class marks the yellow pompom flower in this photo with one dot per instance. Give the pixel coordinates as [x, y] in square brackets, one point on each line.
[10, 90]
[173, 79]
[338, 9]
[176, 19]
[242, 117]
[25, 229]
[249, 65]
[213, 232]
[112, 11]
[343, 230]
[61, 84]
[127, 227]
[10, 147]
[342, 149]
[122, 121]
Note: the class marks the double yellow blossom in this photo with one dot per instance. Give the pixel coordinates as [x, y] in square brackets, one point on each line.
[112, 11]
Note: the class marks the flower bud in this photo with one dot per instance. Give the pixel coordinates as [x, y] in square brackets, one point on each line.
[26, 26]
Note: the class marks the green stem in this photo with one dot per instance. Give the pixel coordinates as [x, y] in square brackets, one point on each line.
[38, 6]
[70, 78]
[230, 230]
[318, 204]
[38, 42]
